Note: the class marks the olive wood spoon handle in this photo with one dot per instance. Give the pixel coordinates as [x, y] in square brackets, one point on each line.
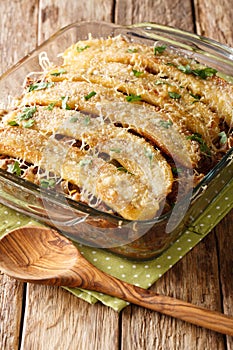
[41, 255]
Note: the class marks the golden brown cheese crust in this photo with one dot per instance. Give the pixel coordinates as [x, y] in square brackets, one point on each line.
[122, 124]
[214, 91]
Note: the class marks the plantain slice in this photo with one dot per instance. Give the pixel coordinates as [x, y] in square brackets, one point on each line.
[215, 91]
[126, 193]
[71, 95]
[152, 125]
[133, 153]
[183, 107]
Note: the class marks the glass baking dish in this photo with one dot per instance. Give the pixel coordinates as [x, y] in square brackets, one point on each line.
[138, 240]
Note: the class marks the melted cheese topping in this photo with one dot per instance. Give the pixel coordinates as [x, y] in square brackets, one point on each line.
[123, 125]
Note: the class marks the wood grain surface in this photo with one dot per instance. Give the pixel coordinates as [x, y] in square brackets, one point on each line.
[51, 317]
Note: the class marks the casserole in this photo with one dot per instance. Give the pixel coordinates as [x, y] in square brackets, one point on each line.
[134, 238]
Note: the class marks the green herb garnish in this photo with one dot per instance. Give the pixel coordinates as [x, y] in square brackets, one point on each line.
[81, 49]
[84, 162]
[86, 120]
[205, 72]
[149, 154]
[73, 119]
[185, 69]
[161, 82]
[50, 106]
[196, 97]
[132, 50]
[56, 74]
[29, 123]
[133, 98]
[137, 73]
[202, 73]
[174, 95]
[121, 168]
[64, 104]
[176, 171]
[91, 94]
[115, 150]
[14, 168]
[203, 146]
[159, 49]
[28, 113]
[165, 123]
[13, 123]
[46, 183]
[40, 86]
[223, 137]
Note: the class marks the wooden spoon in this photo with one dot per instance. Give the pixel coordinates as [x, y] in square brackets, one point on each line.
[41, 255]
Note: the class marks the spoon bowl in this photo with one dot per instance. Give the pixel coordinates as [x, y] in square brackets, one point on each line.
[41, 255]
[37, 253]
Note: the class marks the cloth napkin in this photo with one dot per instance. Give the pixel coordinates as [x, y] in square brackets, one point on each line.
[142, 274]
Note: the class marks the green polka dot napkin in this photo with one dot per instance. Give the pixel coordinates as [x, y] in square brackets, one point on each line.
[142, 274]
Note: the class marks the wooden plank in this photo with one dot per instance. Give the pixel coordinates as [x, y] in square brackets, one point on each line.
[54, 14]
[214, 19]
[173, 13]
[194, 279]
[55, 319]
[11, 296]
[224, 233]
[17, 38]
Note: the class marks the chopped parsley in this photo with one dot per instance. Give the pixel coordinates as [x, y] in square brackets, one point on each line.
[196, 97]
[149, 154]
[205, 72]
[90, 95]
[64, 104]
[73, 119]
[185, 69]
[121, 168]
[133, 98]
[176, 171]
[86, 120]
[29, 123]
[223, 137]
[202, 73]
[132, 50]
[136, 73]
[13, 123]
[50, 106]
[84, 162]
[14, 168]
[174, 95]
[46, 183]
[81, 49]
[28, 113]
[161, 82]
[61, 71]
[40, 86]
[165, 123]
[115, 150]
[203, 146]
[159, 49]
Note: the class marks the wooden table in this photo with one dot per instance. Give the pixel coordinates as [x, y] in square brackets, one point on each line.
[38, 317]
